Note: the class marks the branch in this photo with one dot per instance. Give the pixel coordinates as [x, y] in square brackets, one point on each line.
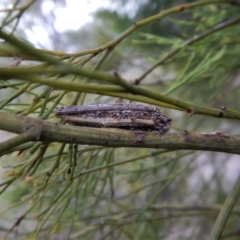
[30, 135]
[111, 90]
[54, 132]
[225, 211]
[188, 42]
[43, 55]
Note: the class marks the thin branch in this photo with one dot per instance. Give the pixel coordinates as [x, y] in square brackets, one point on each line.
[188, 42]
[110, 90]
[30, 135]
[225, 212]
[41, 54]
[53, 132]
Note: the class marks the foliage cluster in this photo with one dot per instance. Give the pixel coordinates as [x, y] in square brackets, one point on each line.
[53, 187]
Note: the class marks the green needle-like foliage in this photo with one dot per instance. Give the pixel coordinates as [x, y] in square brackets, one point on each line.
[72, 182]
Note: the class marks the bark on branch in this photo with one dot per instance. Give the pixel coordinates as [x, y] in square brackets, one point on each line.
[54, 132]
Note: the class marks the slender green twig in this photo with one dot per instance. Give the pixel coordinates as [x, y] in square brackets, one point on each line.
[41, 55]
[171, 207]
[96, 67]
[22, 90]
[225, 212]
[188, 42]
[33, 161]
[56, 163]
[31, 134]
[111, 89]
[117, 163]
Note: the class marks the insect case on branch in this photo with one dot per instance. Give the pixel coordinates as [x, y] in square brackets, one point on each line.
[128, 116]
